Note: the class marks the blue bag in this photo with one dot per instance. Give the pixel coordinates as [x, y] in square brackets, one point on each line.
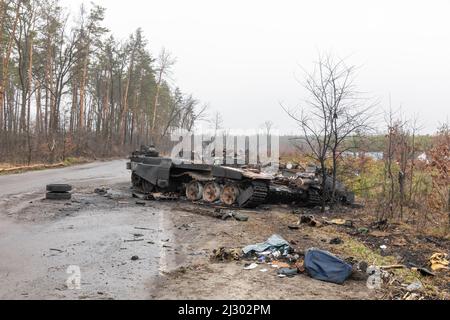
[324, 266]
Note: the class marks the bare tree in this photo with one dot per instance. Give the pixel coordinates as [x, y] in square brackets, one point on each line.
[333, 112]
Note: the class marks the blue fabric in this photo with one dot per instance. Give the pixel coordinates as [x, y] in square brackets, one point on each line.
[324, 266]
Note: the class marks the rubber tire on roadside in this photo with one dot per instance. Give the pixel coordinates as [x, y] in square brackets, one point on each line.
[59, 188]
[58, 196]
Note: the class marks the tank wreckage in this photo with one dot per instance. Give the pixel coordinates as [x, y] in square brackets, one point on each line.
[233, 186]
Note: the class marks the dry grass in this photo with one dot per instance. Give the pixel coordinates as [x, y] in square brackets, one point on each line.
[6, 168]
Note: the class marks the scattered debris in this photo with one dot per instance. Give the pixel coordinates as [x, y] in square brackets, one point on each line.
[336, 241]
[423, 271]
[274, 243]
[250, 266]
[339, 222]
[400, 242]
[240, 217]
[395, 266]
[363, 231]
[140, 228]
[134, 258]
[101, 191]
[134, 240]
[280, 265]
[438, 262]
[141, 203]
[288, 272]
[224, 254]
[415, 286]
[310, 220]
[324, 266]
[159, 196]
[380, 225]
[228, 214]
[140, 196]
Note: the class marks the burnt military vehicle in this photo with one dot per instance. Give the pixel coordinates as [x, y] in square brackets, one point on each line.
[243, 186]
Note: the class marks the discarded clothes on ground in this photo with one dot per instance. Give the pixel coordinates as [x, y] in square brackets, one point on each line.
[274, 243]
[324, 266]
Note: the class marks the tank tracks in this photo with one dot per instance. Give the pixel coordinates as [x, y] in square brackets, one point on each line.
[314, 198]
[259, 194]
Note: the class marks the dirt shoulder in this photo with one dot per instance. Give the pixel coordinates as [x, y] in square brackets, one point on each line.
[193, 275]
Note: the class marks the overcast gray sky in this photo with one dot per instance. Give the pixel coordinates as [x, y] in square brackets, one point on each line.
[241, 57]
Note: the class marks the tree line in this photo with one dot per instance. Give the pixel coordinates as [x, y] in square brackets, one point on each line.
[69, 88]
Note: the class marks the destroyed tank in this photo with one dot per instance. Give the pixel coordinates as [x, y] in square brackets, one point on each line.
[239, 186]
[198, 182]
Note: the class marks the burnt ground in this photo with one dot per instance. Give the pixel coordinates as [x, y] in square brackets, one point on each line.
[174, 242]
[196, 276]
[199, 277]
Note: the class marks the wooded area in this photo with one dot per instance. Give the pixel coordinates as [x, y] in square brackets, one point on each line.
[68, 87]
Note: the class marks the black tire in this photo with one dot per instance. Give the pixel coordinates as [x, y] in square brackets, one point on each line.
[58, 196]
[59, 188]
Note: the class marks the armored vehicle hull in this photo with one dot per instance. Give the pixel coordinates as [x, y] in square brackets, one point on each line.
[228, 186]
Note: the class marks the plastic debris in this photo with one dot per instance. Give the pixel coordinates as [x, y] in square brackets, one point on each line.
[415, 286]
[251, 266]
[274, 243]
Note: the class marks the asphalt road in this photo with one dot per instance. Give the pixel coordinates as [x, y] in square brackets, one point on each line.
[42, 242]
[98, 172]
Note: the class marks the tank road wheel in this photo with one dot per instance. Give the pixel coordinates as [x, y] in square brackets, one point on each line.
[211, 192]
[194, 191]
[230, 194]
[147, 187]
